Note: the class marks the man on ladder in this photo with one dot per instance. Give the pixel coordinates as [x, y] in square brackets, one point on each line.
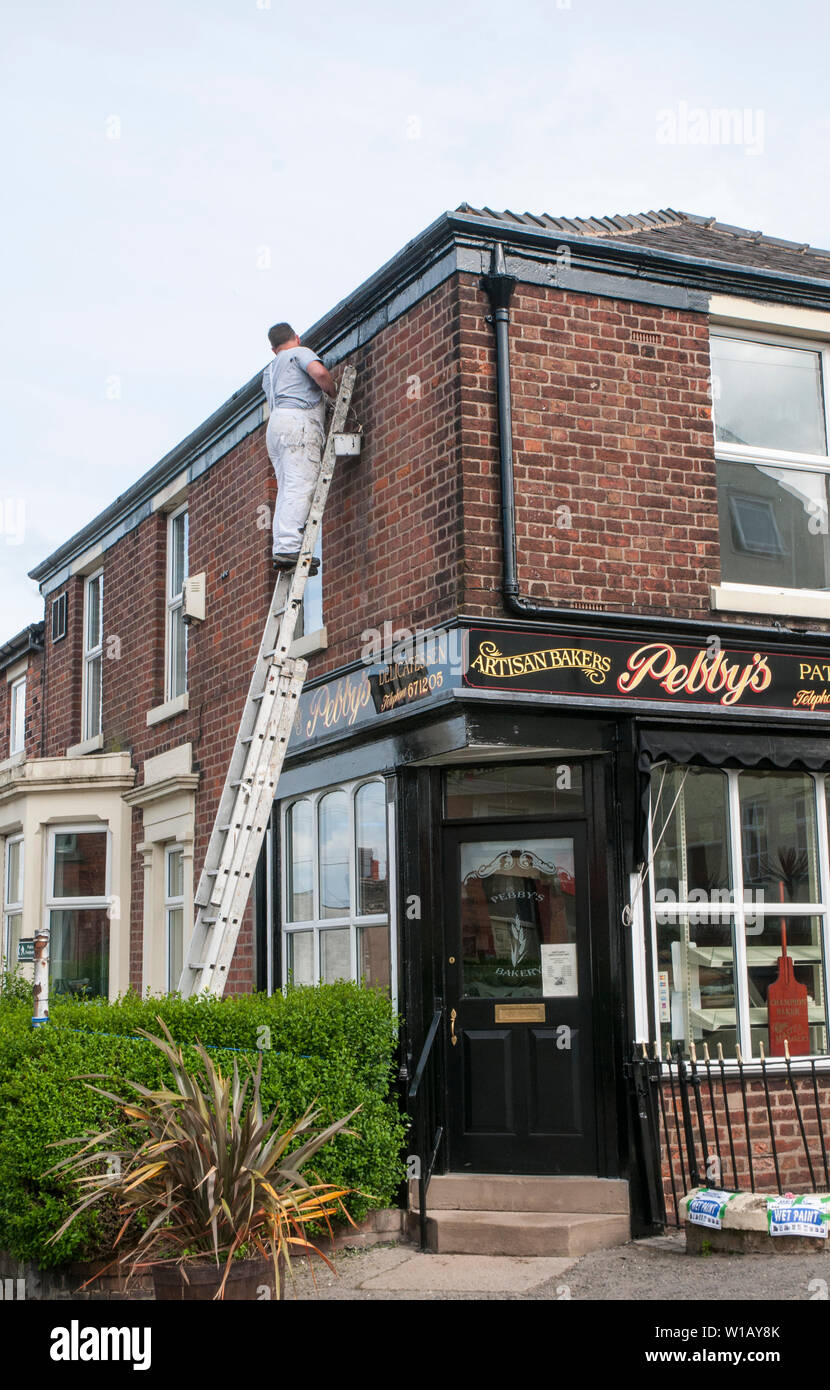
[295, 384]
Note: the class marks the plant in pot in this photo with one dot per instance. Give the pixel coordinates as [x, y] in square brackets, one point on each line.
[211, 1190]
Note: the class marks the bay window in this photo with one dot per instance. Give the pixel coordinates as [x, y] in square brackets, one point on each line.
[173, 913]
[336, 923]
[12, 900]
[771, 445]
[740, 877]
[77, 905]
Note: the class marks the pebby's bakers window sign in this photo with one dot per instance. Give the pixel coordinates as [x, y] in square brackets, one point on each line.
[360, 697]
[674, 674]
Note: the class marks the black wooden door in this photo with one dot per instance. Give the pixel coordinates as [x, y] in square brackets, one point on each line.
[518, 994]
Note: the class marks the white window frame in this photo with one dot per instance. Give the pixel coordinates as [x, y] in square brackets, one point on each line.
[11, 907]
[51, 903]
[313, 589]
[779, 458]
[738, 910]
[172, 903]
[352, 919]
[17, 719]
[91, 719]
[174, 604]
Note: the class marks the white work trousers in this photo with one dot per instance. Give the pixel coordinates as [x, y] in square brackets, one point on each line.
[295, 440]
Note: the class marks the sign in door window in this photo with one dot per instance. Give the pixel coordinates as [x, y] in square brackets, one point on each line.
[518, 918]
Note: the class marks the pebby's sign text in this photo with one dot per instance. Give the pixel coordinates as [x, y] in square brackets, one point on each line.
[664, 671]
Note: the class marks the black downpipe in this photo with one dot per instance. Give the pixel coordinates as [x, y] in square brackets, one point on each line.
[499, 286]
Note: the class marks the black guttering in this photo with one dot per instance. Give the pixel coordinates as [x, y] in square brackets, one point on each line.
[499, 287]
[463, 240]
[30, 639]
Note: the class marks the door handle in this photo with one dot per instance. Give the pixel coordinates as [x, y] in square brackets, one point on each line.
[453, 1017]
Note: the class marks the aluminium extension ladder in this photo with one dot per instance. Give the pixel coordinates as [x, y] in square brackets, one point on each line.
[258, 755]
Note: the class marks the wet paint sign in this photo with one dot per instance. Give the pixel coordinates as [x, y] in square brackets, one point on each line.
[707, 1207]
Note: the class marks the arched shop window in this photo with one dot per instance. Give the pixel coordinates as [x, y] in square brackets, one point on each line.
[740, 876]
[336, 886]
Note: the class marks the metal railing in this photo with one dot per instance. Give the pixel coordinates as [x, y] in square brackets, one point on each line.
[718, 1123]
[424, 1104]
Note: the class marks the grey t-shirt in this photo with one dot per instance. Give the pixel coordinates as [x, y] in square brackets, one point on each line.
[286, 382]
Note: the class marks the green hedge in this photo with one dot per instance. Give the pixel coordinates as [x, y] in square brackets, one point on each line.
[331, 1044]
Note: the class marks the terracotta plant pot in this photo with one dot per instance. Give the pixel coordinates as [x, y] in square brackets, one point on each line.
[246, 1281]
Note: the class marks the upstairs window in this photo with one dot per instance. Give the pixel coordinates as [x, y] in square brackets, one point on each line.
[93, 655]
[311, 608]
[17, 724]
[177, 571]
[771, 443]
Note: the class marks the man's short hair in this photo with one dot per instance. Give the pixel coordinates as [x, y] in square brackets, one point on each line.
[280, 333]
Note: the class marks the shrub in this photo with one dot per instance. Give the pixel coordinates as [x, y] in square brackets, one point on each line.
[332, 1046]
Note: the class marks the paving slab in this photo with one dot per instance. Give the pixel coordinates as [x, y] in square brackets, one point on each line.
[506, 1274]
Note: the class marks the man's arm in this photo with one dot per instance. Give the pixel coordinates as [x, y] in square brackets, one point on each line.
[322, 378]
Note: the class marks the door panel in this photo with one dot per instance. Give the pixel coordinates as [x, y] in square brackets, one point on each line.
[488, 1090]
[518, 974]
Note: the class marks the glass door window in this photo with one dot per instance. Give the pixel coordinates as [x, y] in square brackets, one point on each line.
[518, 917]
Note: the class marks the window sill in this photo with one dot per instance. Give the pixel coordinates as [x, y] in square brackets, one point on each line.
[13, 760]
[168, 710]
[757, 598]
[311, 644]
[89, 745]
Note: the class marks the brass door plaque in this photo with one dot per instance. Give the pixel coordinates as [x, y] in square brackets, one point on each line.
[520, 1013]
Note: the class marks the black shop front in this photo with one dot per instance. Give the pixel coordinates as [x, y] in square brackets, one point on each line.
[505, 827]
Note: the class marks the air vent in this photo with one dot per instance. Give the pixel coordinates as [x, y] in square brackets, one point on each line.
[59, 617]
[646, 337]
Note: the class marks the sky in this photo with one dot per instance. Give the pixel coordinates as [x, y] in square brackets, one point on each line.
[180, 175]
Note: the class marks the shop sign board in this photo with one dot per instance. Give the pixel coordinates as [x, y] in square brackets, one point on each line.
[358, 698]
[709, 675]
[677, 675]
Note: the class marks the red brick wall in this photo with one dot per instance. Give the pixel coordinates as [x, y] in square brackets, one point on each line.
[792, 1157]
[616, 502]
[32, 732]
[392, 529]
[34, 704]
[63, 676]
